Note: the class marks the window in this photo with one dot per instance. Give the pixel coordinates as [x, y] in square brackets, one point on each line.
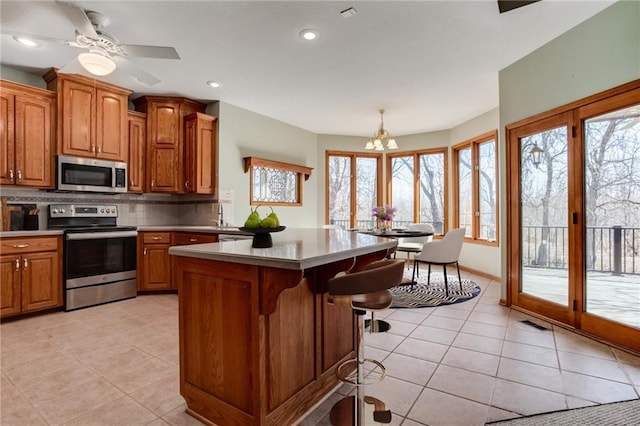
[354, 188]
[275, 183]
[417, 183]
[476, 188]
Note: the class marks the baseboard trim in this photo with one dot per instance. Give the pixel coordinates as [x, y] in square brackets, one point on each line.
[481, 273]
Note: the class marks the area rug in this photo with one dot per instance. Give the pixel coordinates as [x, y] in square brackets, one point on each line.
[616, 413]
[422, 295]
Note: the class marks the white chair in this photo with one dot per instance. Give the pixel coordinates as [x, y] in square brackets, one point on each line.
[443, 252]
[414, 244]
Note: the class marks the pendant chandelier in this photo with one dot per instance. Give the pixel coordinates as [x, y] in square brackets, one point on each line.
[381, 137]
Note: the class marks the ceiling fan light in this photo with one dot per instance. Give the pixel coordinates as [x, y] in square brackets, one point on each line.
[96, 64]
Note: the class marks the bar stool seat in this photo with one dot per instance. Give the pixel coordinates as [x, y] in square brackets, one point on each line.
[364, 291]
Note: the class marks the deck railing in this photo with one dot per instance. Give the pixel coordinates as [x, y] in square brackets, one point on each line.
[614, 249]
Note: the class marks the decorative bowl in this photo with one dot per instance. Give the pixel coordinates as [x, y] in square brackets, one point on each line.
[262, 236]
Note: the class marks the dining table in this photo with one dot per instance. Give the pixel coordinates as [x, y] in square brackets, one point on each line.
[397, 233]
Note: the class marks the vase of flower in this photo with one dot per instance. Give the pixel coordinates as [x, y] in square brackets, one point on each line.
[384, 216]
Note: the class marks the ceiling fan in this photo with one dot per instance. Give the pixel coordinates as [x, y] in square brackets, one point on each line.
[105, 52]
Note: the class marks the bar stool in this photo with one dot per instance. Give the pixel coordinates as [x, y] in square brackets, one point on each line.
[363, 291]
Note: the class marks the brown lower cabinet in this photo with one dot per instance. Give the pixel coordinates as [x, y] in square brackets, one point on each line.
[155, 264]
[30, 274]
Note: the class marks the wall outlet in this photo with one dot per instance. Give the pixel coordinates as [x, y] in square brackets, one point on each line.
[132, 207]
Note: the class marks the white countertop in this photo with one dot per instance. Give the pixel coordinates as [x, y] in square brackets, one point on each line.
[293, 248]
[35, 233]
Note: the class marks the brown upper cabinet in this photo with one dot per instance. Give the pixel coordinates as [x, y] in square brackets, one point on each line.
[92, 118]
[200, 154]
[165, 141]
[27, 132]
[137, 141]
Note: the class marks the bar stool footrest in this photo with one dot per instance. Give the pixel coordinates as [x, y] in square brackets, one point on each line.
[374, 371]
[379, 326]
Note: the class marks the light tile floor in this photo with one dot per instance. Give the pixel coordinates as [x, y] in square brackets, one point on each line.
[462, 364]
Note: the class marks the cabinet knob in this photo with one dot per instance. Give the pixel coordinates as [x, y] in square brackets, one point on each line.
[144, 252]
[193, 240]
[186, 184]
[99, 150]
[17, 264]
[26, 263]
[153, 183]
[11, 174]
[156, 238]
[19, 175]
[93, 148]
[21, 245]
[132, 183]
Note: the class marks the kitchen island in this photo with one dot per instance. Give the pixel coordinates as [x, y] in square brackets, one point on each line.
[258, 340]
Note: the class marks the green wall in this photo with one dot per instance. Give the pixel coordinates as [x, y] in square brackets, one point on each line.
[601, 53]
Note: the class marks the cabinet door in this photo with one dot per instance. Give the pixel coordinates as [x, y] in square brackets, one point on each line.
[33, 139]
[163, 122]
[7, 146]
[41, 285]
[111, 126]
[10, 270]
[137, 138]
[200, 154]
[205, 158]
[77, 119]
[157, 274]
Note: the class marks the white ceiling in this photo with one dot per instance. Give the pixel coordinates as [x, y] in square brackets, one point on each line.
[431, 64]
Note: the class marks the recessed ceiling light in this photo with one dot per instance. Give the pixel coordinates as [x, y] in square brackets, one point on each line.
[25, 41]
[309, 34]
[214, 84]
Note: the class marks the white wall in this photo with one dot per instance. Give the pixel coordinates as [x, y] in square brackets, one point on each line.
[601, 53]
[476, 256]
[242, 133]
[22, 77]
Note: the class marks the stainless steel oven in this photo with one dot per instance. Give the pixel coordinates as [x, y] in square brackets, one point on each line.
[99, 256]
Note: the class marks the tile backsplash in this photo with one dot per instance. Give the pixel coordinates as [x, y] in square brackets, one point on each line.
[133, 209]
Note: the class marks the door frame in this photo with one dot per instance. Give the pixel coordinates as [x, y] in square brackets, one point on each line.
[573, 315]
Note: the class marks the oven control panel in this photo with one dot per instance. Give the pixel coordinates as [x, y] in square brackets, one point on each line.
[82, 210]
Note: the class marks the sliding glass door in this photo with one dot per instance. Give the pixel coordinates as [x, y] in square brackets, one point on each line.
[612, 217]
[573, 240]
[545, 239]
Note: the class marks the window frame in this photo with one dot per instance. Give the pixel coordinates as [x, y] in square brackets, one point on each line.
[353, 155]
[416, 181]
[254, 162]
[474, 144]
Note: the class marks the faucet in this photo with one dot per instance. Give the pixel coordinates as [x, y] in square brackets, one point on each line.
[220, 215]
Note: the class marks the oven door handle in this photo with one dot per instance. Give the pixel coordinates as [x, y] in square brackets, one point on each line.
[101, 235]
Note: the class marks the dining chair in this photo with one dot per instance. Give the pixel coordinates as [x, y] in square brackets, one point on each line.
[414, 244]
[443, 252]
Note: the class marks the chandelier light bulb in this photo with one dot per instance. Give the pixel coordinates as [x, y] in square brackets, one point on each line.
[380, 137]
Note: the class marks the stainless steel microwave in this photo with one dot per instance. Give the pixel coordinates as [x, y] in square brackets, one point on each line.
[88, 174]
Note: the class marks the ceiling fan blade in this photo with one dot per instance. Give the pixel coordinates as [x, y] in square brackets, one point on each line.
[140, 51]
[137, 72]
[79, 19]
[34, 37]
[507, 5]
